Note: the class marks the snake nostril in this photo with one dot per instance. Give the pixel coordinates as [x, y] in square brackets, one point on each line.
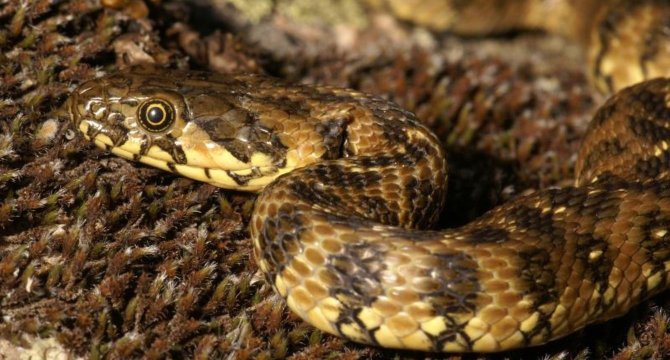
[98, 110]
[116, 118]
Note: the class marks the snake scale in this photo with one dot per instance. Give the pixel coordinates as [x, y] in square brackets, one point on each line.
[348, 180]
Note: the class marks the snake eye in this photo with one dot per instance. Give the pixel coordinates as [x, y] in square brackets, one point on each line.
[156, 115]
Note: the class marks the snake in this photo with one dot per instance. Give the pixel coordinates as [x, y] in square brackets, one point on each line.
[350, 185]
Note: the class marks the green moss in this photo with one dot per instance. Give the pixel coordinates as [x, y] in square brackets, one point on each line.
[328, 12]
[255, 11]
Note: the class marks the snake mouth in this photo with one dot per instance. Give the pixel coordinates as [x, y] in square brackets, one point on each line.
[250, 178]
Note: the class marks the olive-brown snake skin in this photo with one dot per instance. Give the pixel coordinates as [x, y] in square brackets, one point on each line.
[347, 181]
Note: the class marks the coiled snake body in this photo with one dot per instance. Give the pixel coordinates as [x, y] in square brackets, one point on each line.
[347, 180]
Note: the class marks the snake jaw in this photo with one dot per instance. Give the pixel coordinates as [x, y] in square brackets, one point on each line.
[225, 148]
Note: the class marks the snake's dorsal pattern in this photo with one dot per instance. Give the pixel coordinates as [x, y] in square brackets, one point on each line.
[352, 178]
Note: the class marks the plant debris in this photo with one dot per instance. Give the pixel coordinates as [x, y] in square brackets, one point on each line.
[105, 258]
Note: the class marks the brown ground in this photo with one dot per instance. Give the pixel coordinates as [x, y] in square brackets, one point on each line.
[117, 260]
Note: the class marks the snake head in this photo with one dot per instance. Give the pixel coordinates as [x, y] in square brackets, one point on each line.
[129, 114]
[211, 128]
